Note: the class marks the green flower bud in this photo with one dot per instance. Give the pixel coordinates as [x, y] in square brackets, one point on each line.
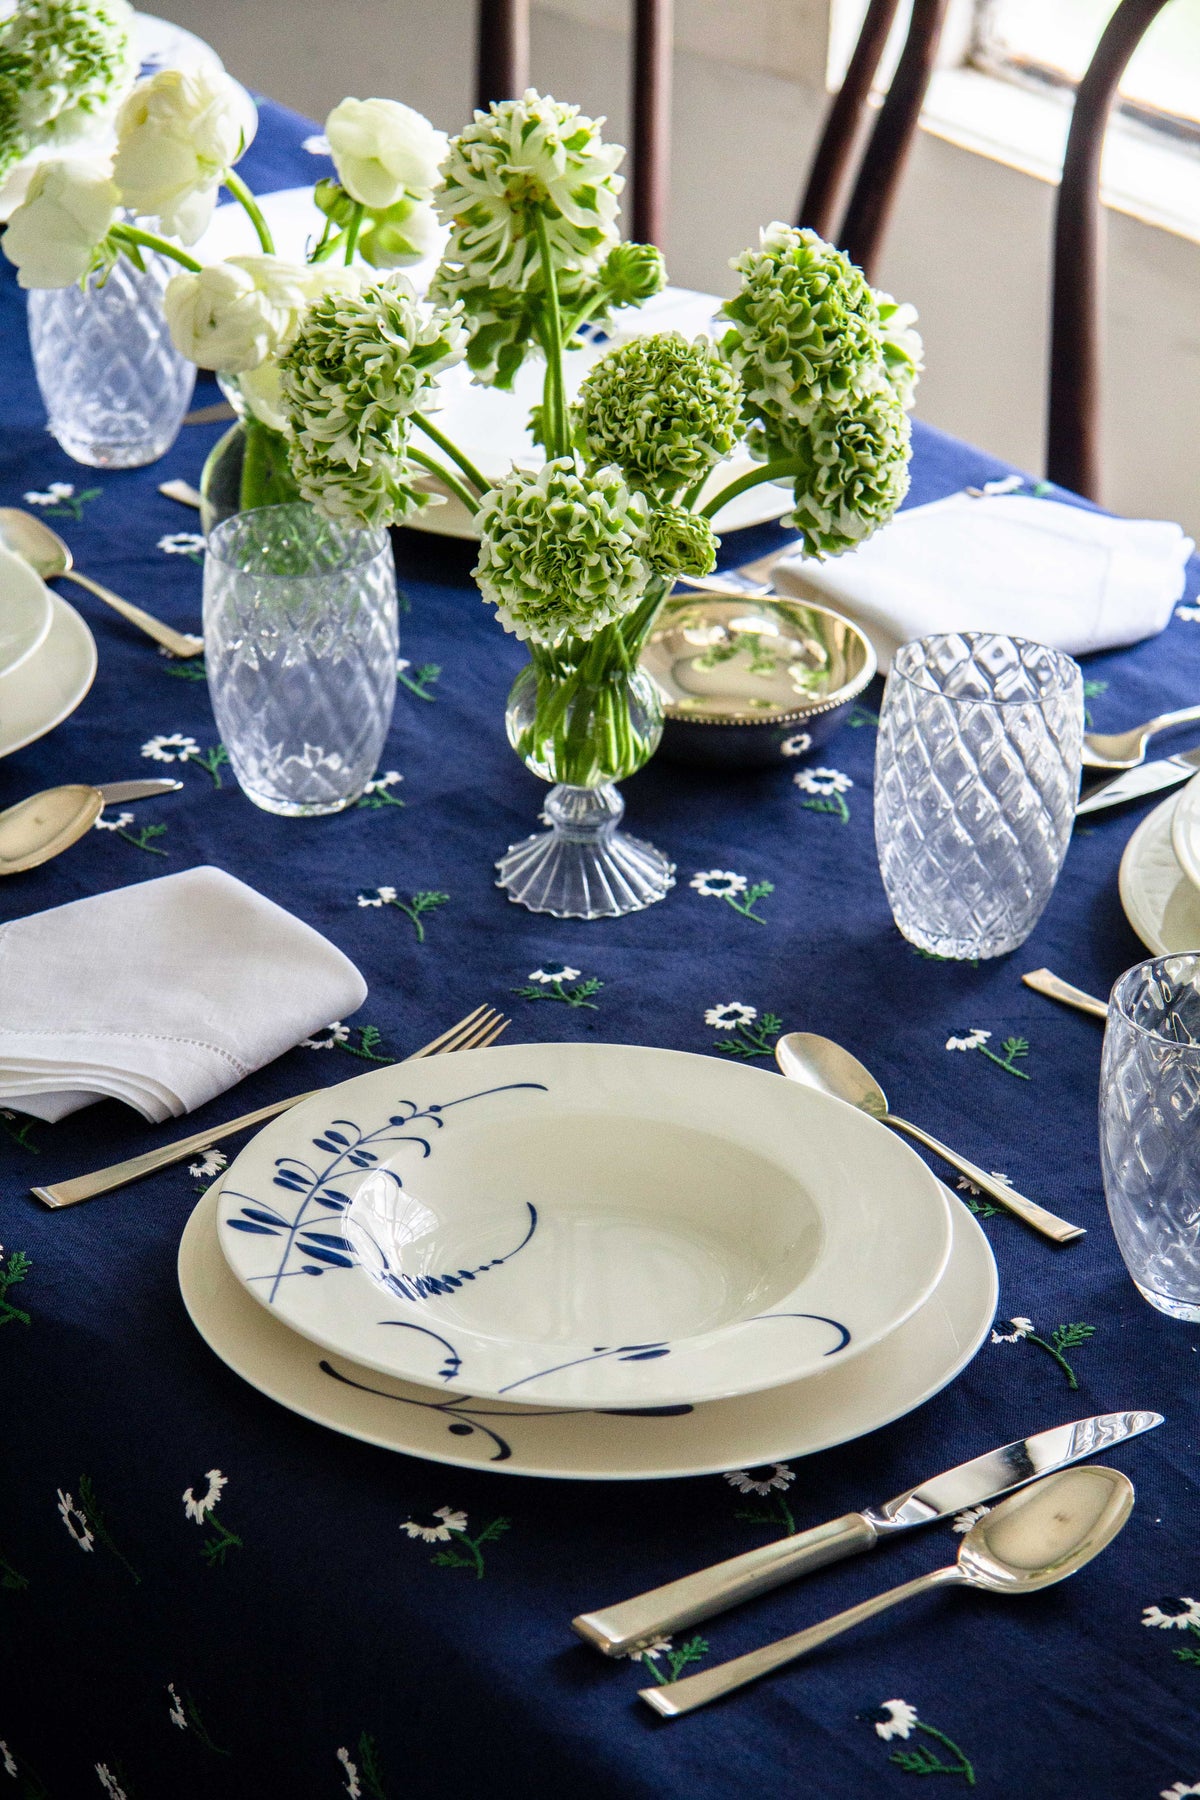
[633, 273]
[681, 543]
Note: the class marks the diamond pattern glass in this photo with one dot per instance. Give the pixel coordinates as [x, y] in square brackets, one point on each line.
[1150, 1129]
[976, 779]
[300, 646]
[114, 386]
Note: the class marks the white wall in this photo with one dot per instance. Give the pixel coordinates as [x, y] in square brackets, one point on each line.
[969, 243]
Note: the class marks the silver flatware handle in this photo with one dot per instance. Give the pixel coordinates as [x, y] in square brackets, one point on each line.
[618, 1629]
[1044, 981]
[1059, 1231]
[179, 643]
[1184, 716]
[183, 491]
[684, 1696]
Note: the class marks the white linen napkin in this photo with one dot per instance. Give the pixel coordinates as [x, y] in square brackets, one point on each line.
[1038, 569]
[160, 995]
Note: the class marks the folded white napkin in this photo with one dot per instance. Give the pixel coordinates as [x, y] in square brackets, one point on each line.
[161, 995]
[1037, 569]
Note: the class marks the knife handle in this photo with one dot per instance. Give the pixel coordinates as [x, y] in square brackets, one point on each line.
[1044, 981]
[618, 1629]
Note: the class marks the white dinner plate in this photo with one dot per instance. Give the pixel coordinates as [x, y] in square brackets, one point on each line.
[49, 686]
[1158, 899]
[487, 424]
[25, 611]
[778, 1424]
[584, 1225]
[1185, 831]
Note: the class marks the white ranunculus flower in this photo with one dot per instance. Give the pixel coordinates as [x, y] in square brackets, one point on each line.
[177, 134]
[220, 319]
[262, 390]
[52, 236]
[383, 150]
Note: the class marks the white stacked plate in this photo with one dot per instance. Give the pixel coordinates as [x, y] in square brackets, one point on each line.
[1160, 875]
[587, 1260]
[47, 656]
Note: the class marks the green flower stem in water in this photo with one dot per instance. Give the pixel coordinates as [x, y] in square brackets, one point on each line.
[266, 477]
[245, 198]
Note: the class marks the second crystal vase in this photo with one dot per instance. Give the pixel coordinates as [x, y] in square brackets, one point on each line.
[584, 734]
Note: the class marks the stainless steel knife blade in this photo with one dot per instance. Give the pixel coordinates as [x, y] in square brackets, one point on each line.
[618, 1629]
[1133, 784]
[115, 792]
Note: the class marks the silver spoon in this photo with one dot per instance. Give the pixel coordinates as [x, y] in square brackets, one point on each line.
[820, 1063]
[1031, 1540]
[1126, 749]
[34, 830]
[32, 539]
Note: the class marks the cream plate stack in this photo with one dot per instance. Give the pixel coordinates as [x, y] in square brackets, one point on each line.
[1160, 875]
[587, 1260]
[47, 656]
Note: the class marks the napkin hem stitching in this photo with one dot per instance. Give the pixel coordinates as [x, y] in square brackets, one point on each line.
[157, 1037]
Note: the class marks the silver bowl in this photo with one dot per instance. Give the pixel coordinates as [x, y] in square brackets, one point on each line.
[746, 679]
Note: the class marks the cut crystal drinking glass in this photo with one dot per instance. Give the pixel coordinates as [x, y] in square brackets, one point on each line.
[300, 638]
[1150, 1129]
[114, 386]
[976, 780]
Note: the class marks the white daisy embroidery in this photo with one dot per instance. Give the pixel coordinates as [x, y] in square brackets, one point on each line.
[118, 824]
[1190, 613]
[351, 1768]
[380, 783]
[436, 1534]
[797, 744]
[210, 1164]
[968, 1187]
[10, 1765]
[780, 1477]
[200, 1509]
[822, 781]
[176, 1715]
[963, 1521]
[182, 543]
[58, 490]
[718, 882]
[968, 1040]
[1180, 1791]
[899, 1719]
[327, 1038]
[650, 1652]
[1010, 1331]
[75, 1520]
[176, 748]
[1182, 1614]
[109, 1782]
[380, 896]
[729, 1014]
[554, 972]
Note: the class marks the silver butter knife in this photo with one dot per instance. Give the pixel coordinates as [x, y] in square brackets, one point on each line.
[1133, 784]
[618, 1629]
[114, 792]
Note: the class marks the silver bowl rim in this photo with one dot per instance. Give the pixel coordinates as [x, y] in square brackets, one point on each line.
[849, 690]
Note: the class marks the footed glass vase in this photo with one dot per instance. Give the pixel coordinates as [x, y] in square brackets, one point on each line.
[584, 732]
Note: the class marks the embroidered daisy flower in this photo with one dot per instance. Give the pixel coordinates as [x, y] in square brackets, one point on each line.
[718, 882]
[210, 1164]
[895, 1718]
[109, 1782]
[968, 1040]
[963, 1521]
[1190, 613]
[317, 144]
[822, 781]
[343, 1755]
[379, 783]
[731, 1013]
[10, 1766]
[554, 972]
[200, 1509]
[657, 1646]
[58, 490]
[327, 1038]
[968, 1187]
[176, 1715]
[182, 543]
[797, 744]
[1010, 1331]
[771, 1478]
[1180, 1614]
[176, 748]
[1179, 1791]
[377, 896]
[117, 824]
[75, 1520]
[436, 1534]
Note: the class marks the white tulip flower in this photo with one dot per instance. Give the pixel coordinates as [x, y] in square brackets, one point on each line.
[383, 150]
[177, 135]
[53, 235]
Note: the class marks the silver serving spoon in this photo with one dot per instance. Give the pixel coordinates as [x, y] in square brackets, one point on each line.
[1126, 749]
[34, 830]
[32, 539]
[1031, 1540]
[820, 1063]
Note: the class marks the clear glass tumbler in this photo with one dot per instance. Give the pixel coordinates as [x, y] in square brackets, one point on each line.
[300, 646]
[113, 384]
[1150, 1129]
[976, 780]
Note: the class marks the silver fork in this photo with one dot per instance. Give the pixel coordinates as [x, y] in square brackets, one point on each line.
[479, 1028]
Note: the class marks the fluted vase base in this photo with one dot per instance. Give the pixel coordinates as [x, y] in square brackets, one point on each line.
[583, 867]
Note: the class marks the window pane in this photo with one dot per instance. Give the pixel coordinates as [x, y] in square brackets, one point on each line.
[1164, 71]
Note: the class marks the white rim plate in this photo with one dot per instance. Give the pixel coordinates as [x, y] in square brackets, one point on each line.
[584, 1225]
[51, 684]
[1158, 899]
[776, 1425]
[26, 613]
[1185, 831]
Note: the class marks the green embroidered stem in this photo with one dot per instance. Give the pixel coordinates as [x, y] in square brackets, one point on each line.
[754, 1039]
[14, 1270]
[95, 1518]
[18, 1134]
[11, 1579]
[861, 715]
[457, 488]
[924, 1762]
[185, 668]
[382, 796]
[576, 996]
[1012, 1048]
[693, 1651]
[211, 760]
[448, 448]
[368, 1037]
[1066, 1337]
[197, 1725]
[833, 803]
[369, 1766]
[420, 679]
[71, 506]
[216, 1549]
[142, 840]
[133, 234]
[416, 906]
[744, 903]
[451, 1559]
[782, 1515]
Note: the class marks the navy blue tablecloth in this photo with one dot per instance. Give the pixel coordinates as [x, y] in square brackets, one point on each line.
[323, 1650]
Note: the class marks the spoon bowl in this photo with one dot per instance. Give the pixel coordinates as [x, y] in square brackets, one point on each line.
[1117, 750]
[34, 830]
